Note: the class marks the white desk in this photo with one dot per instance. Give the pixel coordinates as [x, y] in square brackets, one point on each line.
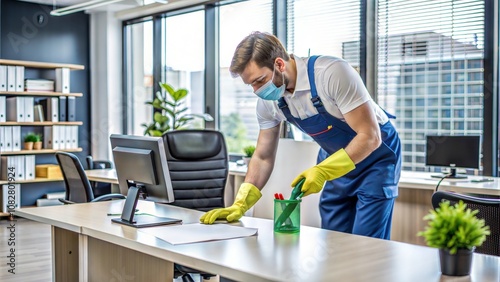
[412, 204]
[88, 247]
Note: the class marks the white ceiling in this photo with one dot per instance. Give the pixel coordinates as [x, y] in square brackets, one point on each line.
[56, 2]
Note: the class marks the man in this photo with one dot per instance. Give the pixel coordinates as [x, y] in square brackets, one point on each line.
[323, 96]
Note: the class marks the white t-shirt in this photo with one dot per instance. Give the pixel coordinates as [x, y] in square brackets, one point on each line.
[338, 85]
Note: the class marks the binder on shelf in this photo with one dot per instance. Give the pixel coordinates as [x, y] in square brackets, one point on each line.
[20, 167]
[61, 131]
[2, 139]
[71, 110]
[8, 165]
[29, 165]
[51, 109]
[74, 136]
[13, 195]
[3, 108]
[8, 138]
[16, 138]
[69, 136]
[11, 78]
[15, 109]
[62, 108]
[19, 78]
[52, 137]
[29, 103]
[3, 78]
[62, 80]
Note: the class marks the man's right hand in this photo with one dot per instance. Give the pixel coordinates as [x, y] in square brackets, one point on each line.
[247, 196]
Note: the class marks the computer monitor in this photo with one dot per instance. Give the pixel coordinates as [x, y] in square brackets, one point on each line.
[142, 169]
[454, 152]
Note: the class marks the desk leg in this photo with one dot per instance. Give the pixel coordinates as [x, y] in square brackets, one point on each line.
[65, 255]
[110, 262]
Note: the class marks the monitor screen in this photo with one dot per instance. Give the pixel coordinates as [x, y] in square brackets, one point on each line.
[453, 151]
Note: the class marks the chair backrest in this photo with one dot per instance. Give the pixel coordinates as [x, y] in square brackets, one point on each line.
[78, 187]
[489, 210]
[198, 165]
[94, 164]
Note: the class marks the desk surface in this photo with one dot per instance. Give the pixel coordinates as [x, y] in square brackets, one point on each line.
[409, 180]
[311, 255]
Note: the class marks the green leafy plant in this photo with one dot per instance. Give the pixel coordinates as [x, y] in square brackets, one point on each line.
[249, 150]
[170, 111]
[32, 137]
[454, 227]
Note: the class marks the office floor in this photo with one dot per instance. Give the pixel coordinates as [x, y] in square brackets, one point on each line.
[33, 259]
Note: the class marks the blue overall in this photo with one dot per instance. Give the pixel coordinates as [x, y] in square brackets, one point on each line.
[361, 202]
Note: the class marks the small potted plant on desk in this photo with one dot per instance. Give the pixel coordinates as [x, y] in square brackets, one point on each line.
[248, 150]
[456, 231]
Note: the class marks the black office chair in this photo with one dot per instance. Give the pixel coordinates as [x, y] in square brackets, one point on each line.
[99, 188]
[489, 210]
[78, 188]
[198, 165]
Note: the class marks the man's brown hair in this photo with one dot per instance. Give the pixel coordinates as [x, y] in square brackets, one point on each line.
[261, 47]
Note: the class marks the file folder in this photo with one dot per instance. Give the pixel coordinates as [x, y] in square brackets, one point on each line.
[16, 138]
[15, 109]
[71, 111]
[20, 163]
[3, 78]
[29, 111]
[29, 172]
[8, 138]
[62, 80]
[2, 139]
[11, 78]
[19, 78]
[3, 108]
[62, 108]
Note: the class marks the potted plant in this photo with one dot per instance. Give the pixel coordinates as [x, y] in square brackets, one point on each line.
[170, 111]
[37, 145]
[248, 150]
[30, 139]
[456, 231]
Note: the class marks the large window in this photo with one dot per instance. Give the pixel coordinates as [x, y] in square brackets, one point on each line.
[323, 27]
[139, 71]
[238, 120]
[183, 52]
[431, 71]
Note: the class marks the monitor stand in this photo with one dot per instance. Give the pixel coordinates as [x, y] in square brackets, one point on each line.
[452, 175]
[141, 220]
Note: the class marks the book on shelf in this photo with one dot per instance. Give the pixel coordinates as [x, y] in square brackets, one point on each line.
[41, 85]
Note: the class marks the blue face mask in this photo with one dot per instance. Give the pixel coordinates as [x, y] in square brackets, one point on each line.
[269, 91]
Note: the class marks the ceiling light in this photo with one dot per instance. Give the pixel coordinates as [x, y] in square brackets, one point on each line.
[88, 5]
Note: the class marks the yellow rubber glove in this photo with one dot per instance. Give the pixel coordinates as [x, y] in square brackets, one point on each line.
[335, 166]
[247, 196]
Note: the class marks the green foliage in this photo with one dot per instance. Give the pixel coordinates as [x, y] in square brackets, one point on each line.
[170, 111]
[249, 150]
[235, 132]
[454, 227]
[32, 137]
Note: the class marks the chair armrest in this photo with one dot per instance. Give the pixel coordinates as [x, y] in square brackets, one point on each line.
[109, 197]
[66, 202]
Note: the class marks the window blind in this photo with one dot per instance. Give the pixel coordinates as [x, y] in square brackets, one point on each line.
[430, 69]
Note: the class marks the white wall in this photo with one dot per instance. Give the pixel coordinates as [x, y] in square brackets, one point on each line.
[105, 81]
